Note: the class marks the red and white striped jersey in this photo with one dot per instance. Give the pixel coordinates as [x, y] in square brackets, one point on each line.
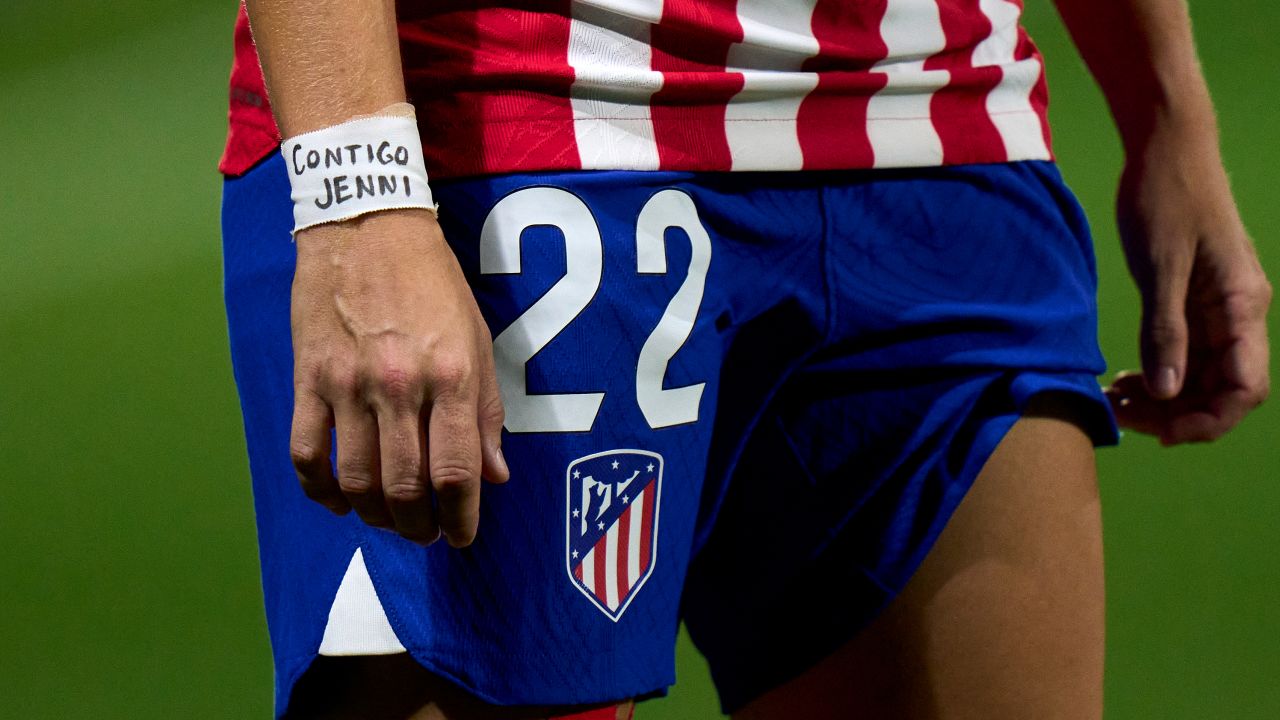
[527, 85]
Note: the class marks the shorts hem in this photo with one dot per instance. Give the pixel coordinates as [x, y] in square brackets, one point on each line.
[1096, 420]
[298, 666]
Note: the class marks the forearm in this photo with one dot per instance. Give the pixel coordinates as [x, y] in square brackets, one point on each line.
[1142, 54]
[1204, 295]
[326, 61]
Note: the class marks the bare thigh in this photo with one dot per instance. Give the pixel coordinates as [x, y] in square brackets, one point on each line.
[1004, 619]
[395, 687]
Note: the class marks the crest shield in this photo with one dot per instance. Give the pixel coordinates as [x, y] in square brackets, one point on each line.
[611, 525]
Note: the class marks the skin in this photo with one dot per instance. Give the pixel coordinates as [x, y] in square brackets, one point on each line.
[390, 349]
[1205, 355]
[1005, 617]
[412, 395]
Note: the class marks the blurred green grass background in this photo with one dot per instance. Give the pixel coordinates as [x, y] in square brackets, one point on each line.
[128, 575]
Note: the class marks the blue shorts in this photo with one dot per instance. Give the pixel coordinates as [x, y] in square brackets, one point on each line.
[745, 401]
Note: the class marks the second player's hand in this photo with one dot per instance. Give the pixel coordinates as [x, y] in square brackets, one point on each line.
[1205, 296]
[390, 351]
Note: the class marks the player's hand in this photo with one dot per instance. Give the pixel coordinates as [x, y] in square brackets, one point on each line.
[1204, 295]
[390, 351]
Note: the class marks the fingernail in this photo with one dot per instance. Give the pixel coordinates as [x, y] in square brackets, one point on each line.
[1166, 382]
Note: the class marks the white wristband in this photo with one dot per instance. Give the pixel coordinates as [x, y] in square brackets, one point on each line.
[356, 167]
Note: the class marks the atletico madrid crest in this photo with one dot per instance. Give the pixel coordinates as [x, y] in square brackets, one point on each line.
[611, 525]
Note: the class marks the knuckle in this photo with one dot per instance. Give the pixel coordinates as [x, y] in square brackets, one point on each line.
[1185, 437]
[1169, 263]
[305, 456]
[1210, 431]
[308, 369]
[1217, 427]
[1208, 436]
[395, 380]
[356, 482]
[452, 480]
[404, 490]
[450, 370]
[343, 380]
[1259, 395]
[1242, 304]
[1250, 301]
[1163, 330]
[492, 413]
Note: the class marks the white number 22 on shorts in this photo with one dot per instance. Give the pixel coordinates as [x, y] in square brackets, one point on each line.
[552, 313]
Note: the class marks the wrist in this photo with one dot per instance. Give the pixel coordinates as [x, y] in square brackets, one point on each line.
[1177, 162]
[370, 231]
[364, 165]
[1183, 119]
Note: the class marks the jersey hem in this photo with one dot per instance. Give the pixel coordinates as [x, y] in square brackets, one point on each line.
[248, 143]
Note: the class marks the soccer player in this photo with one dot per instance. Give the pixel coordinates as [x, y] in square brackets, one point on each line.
[776, 314]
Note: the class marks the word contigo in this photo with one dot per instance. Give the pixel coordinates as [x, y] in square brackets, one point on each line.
[341, 188]
[356, 167]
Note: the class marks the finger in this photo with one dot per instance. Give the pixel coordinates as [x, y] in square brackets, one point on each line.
[1246, 360]
[493, 466]
[309, 450]
[1134, 407]
[1198, 426]
[357, 432]
[453, 443]
[1238, 382]
[404, 477]
[1164, 329]
[1234, 379]
[1247, 369]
